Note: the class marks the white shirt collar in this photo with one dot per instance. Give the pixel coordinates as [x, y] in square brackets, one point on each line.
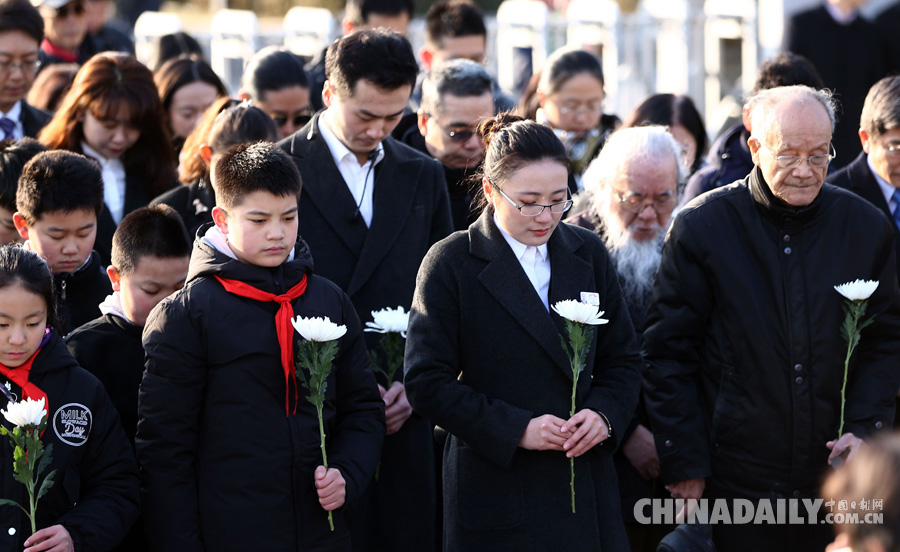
[886, 188]
[337, 148]
[840, 17]
[91, 152]
[517, 246]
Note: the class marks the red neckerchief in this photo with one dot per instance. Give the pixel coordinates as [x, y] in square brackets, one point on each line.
[19, 376]
[282, 325]
[50, 49]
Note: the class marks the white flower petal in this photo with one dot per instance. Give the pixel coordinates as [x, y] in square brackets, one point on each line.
[857, 290]
[27, 412]
[318, 329]
[389, 320]
[579, 312]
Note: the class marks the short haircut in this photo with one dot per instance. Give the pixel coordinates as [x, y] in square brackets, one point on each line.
[271, 69]
[59, 182]
[155, 231]
[14, 154]
[358, 11]
[258, 167]
[881, 112]
[379, 56]
[20, 15]
[786, 69]
[458, 77]
[452, 19]
[172, 46]
[762, 104]
[625, 147]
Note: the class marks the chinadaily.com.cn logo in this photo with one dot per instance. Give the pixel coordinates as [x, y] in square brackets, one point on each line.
[790, 511]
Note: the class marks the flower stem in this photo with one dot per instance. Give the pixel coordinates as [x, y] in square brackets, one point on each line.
[324, 455]
[576, 355]
[853, 337]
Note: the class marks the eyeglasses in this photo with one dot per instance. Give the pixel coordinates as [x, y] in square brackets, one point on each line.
[791, 161]
[27, 66]
[299, 118]
[893, 150]
[589, 109]
[463, 136]
[636, 203]
[73, 8]
[533, 209]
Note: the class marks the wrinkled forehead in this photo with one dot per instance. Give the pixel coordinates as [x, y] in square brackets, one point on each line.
[647, 175]
[797, 121]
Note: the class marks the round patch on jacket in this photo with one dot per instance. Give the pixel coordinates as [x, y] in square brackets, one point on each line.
[72, 424]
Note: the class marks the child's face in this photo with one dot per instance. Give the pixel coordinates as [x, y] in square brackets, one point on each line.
[153, 280]
[262, 230]
[110, 137]
[23, 318]
[8, 232]
[64, 240]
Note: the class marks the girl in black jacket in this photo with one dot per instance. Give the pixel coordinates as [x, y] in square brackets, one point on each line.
[95, 492]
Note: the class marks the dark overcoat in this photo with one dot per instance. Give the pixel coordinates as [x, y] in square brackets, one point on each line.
[377, 267]
[33, 119]
[484, 357]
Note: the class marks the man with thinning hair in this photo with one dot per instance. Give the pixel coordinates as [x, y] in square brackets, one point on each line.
[744, 363]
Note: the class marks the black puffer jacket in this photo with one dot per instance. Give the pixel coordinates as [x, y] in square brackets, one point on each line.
[223, 467]
[95, 494]
[744, 359]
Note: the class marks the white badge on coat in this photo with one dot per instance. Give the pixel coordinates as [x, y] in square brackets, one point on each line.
[72, 424]
[591, 298]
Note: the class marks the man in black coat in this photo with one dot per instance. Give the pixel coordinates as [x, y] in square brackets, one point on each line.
[744, 363]
[850, 55]
[875, 173]
[21, 33]
[456, 96]
[371, 208]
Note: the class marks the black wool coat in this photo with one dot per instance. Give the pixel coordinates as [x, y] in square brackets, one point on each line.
[33, 119]
[194, 202]
[223, 467]
[110, 348]
[858, 178]
[79, 293]
[744, 357]
[95, 494]
[484, 357]
[137, 194]
[377, 268]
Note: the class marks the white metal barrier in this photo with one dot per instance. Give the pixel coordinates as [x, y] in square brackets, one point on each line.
[234, 41]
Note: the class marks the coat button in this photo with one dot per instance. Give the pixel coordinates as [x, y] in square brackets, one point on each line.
[798, 380]
[798, 367]
[878, 425]
[787, 250]
[669, 443]
[12, 531]
[787, 237]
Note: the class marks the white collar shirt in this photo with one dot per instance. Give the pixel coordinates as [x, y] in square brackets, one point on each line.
[113, 182]
[535, 261]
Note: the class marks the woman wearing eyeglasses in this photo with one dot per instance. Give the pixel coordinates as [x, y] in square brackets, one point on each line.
[225, 124]
[568, 97]
[484, 360]
[187, 86]
[276, 82]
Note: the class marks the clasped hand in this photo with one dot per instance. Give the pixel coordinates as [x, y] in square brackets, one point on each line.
[574, 436]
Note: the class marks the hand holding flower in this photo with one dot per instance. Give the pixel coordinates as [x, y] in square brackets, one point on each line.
[51, 539]
[847, 442]
[544, 433]
[396, 407]
[589, 428]
[331, 488]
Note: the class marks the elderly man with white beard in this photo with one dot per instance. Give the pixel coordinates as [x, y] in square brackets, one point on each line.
[632, 186]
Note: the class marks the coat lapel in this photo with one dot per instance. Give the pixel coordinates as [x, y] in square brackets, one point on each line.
[505, 280]
[395, 187]
[327, 190]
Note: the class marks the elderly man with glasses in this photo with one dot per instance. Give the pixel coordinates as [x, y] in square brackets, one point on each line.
[744, 363]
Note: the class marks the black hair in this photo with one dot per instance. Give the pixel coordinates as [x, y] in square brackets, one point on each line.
[458, 77]
[51, 85]
[242, 123]
[28, 269]
[270, 69]
[786, 69]
[59, 181]
[564, 64]
[155, 231]
[511, 142]
[881, 111]
[379, 56]
[669, 110]
[358, 11]
[21, 15]
[179, 72]
[452, 19]
[172, 46]
[248, 168]
[13, 156]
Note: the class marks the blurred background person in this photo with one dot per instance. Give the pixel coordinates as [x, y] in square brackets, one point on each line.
[51, 86]
[171, 46]
[108, 36]
[21, 33]
[275, 81]
[186, 86]
[225, 124]
[13, 156]
[66, 38]
[568, 97]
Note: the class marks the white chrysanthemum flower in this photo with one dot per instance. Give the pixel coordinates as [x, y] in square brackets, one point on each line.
[24, 413]
[579, 312]
[858, 290]
[389, 320]
[318, 329]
